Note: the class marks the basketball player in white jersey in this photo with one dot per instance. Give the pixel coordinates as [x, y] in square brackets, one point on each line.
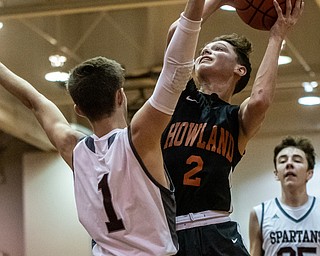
[124, 196]
[288, 225]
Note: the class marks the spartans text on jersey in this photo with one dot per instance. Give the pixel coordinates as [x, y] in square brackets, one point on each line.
[295, 236]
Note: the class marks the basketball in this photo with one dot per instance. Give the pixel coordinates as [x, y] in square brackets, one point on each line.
[259, 14]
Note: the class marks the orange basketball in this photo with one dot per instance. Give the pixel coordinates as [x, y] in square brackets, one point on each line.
[259, 14]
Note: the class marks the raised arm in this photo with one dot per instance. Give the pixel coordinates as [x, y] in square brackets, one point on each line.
[177, 67]
[58, 130]
[209, 8]
[253, 110]
[149, 122]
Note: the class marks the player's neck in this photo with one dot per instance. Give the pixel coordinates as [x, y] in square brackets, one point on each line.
[106, 125]
[221, 85]
[294, 199]
[221, 91]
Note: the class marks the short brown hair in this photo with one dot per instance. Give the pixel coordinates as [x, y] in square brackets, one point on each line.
[301, 143]
[93, 85]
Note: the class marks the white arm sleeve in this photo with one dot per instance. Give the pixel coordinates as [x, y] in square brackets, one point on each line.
[177, 67]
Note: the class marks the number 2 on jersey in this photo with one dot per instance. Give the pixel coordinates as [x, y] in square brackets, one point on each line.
[114, 223]
[188, 179]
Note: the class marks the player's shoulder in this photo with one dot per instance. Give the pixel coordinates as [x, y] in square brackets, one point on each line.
[317, 201]
[263, 206]
[65, 141]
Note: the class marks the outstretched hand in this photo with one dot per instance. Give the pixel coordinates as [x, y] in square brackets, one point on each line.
[288, 19]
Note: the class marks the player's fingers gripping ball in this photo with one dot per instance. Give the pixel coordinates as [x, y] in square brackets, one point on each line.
[259, 14]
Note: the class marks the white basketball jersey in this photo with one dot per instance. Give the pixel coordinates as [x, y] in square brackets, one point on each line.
[124, 210]
[290, 231]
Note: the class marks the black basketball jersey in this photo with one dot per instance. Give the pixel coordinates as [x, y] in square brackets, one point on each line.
[200, 150]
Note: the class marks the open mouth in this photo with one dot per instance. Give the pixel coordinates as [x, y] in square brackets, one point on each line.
[205, 59]
[288, 174]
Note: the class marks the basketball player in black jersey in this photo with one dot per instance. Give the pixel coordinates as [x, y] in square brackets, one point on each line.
[207, 136]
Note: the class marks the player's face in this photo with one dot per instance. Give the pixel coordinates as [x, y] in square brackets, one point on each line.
[292, 167]
[216, 58]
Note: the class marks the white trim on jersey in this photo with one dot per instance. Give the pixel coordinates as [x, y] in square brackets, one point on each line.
[112, 187]
[290, 230]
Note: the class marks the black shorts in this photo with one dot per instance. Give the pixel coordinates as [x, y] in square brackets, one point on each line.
[212, 240]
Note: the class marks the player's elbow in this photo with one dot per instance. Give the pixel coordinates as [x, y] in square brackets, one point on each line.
[33, 101]
[261, 101]
[180, 74]
[256, 111]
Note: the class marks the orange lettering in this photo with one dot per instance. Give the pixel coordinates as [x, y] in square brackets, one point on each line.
[188, 176]
[193, 132]
[200, 143]
[222, 147]
[180, 134]
[171, 134]
[229, 154]
[211, 145]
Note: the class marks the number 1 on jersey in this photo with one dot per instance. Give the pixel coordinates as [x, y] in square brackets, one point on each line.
[114, 224]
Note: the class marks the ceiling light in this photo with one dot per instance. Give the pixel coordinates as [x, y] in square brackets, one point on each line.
[283, 44]
[57, 76]
[309, 100]
[228, 8]
[309, 86]
[1, 25]
[57, 60]
[284, 60]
